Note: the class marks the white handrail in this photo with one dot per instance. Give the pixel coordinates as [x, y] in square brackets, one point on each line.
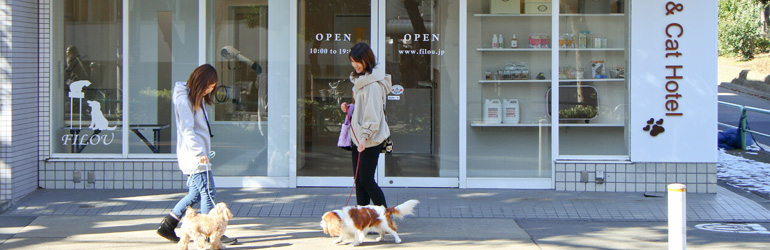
[742, 126]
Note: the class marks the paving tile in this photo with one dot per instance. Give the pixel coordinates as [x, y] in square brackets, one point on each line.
[435, 203]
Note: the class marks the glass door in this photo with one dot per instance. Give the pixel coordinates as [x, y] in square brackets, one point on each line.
[419, 49]
[327, 30]
[416, 41]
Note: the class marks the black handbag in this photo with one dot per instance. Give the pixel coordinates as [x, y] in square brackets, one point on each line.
[387, 147]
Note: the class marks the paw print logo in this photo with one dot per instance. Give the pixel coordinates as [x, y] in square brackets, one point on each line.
[654, 127]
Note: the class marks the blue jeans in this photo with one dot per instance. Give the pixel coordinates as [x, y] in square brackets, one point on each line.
[201, 190]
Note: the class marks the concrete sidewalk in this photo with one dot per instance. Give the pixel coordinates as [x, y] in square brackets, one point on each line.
[724, 206]
[138, 232]
[445, 218]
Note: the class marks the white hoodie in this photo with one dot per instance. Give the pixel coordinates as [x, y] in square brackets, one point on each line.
[192, 132]
[368, 120]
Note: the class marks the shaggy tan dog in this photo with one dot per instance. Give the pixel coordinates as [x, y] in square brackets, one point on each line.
[199, 227]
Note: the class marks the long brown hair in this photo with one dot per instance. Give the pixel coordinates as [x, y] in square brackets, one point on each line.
[362, 53]
[199, 81]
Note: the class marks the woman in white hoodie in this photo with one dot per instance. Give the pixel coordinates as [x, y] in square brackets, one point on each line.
[193, 144]
[368, 128]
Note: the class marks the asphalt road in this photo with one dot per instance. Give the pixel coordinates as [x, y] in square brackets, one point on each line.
[556, 235]
[731, 115]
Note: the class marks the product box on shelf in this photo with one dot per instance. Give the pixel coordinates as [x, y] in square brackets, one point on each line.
[595, 6]
[537, 6]
[617, 6]
[505, 7]
[597, 70]
[568, 6]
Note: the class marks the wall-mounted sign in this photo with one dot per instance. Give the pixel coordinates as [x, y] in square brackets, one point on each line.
[673, 81]
[332, 39]
[397, 89]
[409, 39]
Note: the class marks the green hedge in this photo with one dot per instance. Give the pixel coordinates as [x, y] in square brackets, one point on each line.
[740, 28]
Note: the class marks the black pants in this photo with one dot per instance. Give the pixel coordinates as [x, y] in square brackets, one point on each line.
[366, 187]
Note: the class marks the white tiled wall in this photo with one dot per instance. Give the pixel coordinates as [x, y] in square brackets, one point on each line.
[44, 93]
[637, 177]
[640, 177]
[111, 175]
[18, 98]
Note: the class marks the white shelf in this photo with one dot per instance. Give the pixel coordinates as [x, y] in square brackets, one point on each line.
[594, 80]
[482, 124]
[512, 15]
[592, 15]
[591, 125]
[513, 49]
[592, 49]
[548, 15]
[514, 81]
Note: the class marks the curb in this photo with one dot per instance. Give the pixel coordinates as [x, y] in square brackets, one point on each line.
[749, 87]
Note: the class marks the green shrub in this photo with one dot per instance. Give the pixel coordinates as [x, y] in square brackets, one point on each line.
[740, 28]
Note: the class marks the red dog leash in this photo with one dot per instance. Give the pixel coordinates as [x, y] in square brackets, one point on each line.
[355, 177]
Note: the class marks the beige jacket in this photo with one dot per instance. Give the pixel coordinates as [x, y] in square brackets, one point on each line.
[368, 120]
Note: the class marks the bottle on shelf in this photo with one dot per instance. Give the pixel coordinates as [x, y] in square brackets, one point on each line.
[492, 109]
[494, 41]
[510, 111]
[514, 41]
[501, 41]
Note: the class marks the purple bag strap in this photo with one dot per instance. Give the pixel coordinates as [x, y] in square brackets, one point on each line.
[349, 114]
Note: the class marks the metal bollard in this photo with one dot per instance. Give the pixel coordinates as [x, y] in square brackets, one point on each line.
[677, 218]
[742, 129]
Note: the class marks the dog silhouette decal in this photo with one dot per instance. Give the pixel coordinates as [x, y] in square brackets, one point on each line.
[98, 121]
[76, 88]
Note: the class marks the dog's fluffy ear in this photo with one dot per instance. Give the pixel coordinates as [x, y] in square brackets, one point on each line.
[332, 222]
[190, 212]
[224, 211]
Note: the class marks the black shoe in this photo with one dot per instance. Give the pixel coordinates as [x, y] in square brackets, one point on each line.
[166, 228]
[227, 240]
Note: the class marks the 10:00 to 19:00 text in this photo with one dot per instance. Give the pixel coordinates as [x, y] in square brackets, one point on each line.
[325, 51]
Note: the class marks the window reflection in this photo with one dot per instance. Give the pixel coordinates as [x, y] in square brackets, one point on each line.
[241, 61]
[239, 119]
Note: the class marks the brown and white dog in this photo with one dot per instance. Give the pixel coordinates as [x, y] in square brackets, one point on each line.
[354, 222]
[199, 227]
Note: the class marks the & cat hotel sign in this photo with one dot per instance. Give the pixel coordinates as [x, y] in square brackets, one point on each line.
[674, 81]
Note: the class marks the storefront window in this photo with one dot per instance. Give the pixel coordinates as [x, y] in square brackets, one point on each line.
[86, 87]
[239, 122]
[509, 74]
[162, 50]
[593, 91]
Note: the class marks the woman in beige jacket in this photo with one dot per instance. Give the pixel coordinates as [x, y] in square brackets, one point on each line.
[368, 128]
